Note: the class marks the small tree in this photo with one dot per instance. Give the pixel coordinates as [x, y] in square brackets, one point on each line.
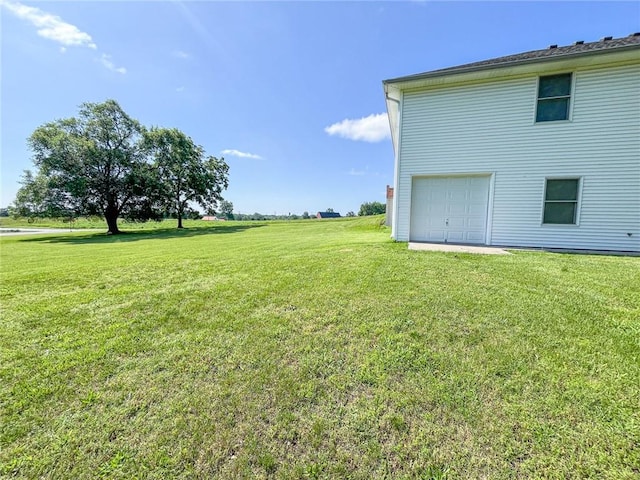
[305, 214]
[33, 197]
[351, 214]
[372, 208]
[226, 209]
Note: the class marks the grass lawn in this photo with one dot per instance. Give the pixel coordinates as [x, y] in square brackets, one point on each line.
[313, 349]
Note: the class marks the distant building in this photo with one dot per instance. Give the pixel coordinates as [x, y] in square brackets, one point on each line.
[327, 215]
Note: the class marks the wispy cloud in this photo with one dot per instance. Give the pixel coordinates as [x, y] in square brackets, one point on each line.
[181, 54]
[373, 128]
[361, 173]
[106, 61]
[238, 153]
[54, 28]
[180, 89]
[199, 28]
[51, 26]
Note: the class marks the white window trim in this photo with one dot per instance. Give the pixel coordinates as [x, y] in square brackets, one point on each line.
[571, 97]
[578, 201]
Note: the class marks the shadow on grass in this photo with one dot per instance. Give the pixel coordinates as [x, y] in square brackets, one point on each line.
[136, 235]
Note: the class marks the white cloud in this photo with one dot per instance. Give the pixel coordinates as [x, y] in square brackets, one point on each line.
[373, 128]
[361, 173]
[181, 54]
[106, 61]
[238, 153]
[51, 26]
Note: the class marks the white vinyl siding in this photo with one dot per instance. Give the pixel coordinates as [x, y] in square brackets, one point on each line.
[487, 128]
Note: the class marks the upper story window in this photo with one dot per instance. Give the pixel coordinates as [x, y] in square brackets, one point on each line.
[554, 95]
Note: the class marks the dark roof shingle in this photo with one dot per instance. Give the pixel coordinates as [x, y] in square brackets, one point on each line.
[579, 48]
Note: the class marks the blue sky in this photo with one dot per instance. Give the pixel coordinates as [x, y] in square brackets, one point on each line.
[289, 93]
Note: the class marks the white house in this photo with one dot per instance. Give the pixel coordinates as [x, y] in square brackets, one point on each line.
[538, 149]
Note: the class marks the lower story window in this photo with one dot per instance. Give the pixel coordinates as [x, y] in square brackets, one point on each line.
[561, 201]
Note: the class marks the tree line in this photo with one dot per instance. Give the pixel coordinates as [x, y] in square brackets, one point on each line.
[372, 208]
[367, 208]
[103, 162]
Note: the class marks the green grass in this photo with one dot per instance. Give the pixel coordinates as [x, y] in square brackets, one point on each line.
[315, 349]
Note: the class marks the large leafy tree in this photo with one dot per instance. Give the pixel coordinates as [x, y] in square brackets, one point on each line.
[94, 163]
[185, 174]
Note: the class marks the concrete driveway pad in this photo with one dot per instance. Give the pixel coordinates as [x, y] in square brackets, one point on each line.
[447, 247]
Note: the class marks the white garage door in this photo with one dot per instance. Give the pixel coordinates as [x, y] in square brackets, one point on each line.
[449, 209]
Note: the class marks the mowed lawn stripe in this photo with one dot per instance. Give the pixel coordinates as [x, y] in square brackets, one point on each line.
[313, 349]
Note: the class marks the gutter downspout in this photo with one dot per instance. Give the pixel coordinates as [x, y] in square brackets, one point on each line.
[396, 151]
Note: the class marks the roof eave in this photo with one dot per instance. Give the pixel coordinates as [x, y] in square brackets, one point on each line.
[494, 66]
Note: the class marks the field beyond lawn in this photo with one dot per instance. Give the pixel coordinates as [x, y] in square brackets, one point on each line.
[313, 349]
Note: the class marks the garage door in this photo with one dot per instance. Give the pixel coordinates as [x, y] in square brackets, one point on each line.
[449, 209]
